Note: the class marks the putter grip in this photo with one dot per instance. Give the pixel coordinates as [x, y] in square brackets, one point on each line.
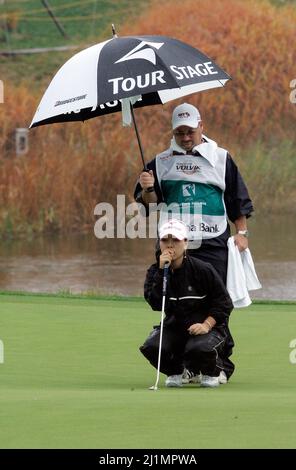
[165, 277]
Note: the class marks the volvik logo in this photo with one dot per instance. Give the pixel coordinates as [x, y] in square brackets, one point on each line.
[187, 168]
[142, 52]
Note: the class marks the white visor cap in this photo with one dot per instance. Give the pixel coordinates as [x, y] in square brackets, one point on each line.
[174, 227]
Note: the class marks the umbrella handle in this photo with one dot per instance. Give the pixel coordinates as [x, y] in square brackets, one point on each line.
[138, 138]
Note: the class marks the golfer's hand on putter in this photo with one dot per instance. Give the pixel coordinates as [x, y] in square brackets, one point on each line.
[147, 179]
[165, 257]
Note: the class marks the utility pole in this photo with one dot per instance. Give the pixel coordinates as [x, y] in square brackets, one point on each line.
[56, 21]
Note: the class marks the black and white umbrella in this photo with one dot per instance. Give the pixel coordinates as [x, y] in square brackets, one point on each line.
[126, 72]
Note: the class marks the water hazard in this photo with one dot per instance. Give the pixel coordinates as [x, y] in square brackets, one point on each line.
[82, 263]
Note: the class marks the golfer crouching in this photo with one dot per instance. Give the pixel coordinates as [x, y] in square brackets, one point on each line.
[196, 309]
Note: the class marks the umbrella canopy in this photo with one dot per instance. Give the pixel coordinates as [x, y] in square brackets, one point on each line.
[124, 72]
[156, 69]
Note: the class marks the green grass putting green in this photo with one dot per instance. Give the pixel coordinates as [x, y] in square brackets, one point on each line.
[72, 377]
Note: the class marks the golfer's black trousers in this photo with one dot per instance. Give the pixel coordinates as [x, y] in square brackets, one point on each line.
[198, 353]
[218, 257]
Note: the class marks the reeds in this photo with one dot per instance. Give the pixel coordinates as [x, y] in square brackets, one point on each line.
[67, 171]
[251, 40]
[71, 167]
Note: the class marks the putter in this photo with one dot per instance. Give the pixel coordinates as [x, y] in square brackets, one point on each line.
[164, 288]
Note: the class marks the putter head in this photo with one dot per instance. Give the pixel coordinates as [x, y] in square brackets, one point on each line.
[153, 387]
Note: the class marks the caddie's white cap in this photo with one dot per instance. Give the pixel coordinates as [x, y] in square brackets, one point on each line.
[174, 227]
[185, 115]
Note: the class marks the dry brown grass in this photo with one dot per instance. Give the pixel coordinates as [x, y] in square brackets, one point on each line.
[72, 167]
[254, 42]
[68, 170]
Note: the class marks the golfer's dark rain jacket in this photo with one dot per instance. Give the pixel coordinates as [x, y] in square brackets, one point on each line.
[194, 292]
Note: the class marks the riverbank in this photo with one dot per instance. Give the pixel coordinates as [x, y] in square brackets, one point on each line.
[119, 298]
[83, 264]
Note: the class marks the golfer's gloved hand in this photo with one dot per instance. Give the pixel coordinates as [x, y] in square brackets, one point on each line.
[198, 329]
[165, 257]
[147, 179]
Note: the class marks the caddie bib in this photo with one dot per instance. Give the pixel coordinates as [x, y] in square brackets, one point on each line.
[194, 188]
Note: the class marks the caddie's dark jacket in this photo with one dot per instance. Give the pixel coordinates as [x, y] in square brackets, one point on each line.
[194, 291]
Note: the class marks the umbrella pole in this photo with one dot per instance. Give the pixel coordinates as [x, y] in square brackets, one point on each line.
[138, 137]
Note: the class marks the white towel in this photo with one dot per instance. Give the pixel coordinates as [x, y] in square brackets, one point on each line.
[241, 275]
[126, 104]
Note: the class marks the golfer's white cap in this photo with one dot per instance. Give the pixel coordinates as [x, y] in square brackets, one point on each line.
[185, 115]
[174, 227]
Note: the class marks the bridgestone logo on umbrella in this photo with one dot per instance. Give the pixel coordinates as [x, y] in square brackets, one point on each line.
[70, 100]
